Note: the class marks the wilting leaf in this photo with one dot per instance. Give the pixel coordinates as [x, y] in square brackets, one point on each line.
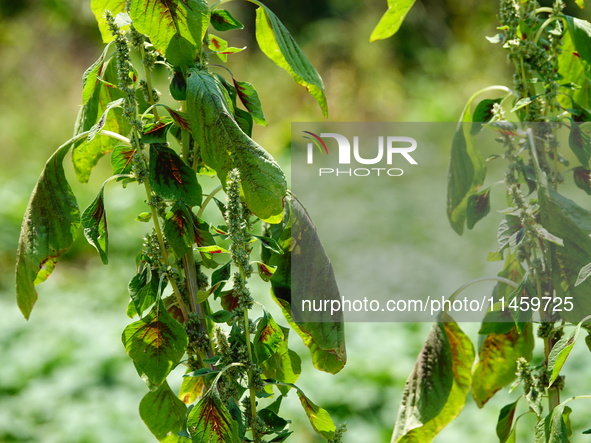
[319, 418]
[156, 343]
[324, 333]
[277, 43]
[582, 179]
[467, 171]
[250, 99]
[49, 227]
[94, 223]
[176, 27]
[210, 422]
[162, 412]
[497, 362]
[171, 178]
[268, 338]
[435, 392]
[560, 352]
[478, 207]
[505, 422]
[225, 146]
[392, 19]
[99, 7]
[222, 20]
[191, 389]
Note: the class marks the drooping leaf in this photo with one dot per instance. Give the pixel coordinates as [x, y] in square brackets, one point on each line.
[250, 99]
[100, 111]
[478, 207]
[319, 418]
[90, 78]
[268, 338]
[171, 178]
[210, 421]
[191, 389]
[162, 412]
[505, 422]
[277, 43]
[571, 223]
[467, 171]
[225, 146]
[497, 362]
[435, 392]
[94, 223]
[222, 20]
[99, 7]
[156, 343]
[175, 27]
[50, 224]
[323, 334]
[391, 20]
[560, 352]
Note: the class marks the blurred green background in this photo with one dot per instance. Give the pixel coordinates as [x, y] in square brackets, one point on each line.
[64, 375]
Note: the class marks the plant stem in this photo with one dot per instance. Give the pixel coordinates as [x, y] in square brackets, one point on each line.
[251, 388]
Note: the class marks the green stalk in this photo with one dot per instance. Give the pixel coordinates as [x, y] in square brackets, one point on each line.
[251, 388]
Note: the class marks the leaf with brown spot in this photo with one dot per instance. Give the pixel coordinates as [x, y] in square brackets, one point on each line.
[156, 343]
[210, 421]
[268, 338]
[171, 178]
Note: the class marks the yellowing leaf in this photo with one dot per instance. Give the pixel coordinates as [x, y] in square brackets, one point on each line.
[392, 19]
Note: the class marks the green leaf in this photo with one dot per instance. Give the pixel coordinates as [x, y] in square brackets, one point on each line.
[94, 223]
[579, 141]
[100, 111]
[325, 335]
[99, 7]
[50, 224]
[162, 412]
[467, 171]
[505, 422]
[284, 365]
[277, 43]
[582, 178]
[156, 343]
[122, 159]
[580, 32]
[222, 20]
[143, 289]
[179, 228]
[90, 78]
[210, 421]
[175, 27]
[560, 352]
[250, 99]
[435, 392]
[571, 223]
[221, 316]
[555, 427]
[391, 20]
[225, 146]
[483, 114]
[171, 178]
[478, 207]
[574, 71]
[497, 362]
[319, 418]
[268, 338]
